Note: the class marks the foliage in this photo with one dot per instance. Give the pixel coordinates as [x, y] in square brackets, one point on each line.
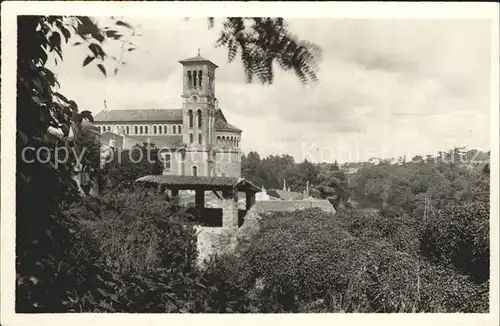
[310, 261]
[402, 232]
[138, 254]
[270, 172]
[50, 124]
[402, 188]
[458, 235]
[264, 41]
[129, 165]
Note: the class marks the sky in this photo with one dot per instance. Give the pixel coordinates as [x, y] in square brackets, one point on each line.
[386, 87]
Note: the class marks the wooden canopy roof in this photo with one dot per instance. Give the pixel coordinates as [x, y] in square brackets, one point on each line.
[207, 183]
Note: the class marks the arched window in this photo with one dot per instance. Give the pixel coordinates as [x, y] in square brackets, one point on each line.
[174, 129]
[165, 131]
[195, 171]
[191, 138]
[168, 162]
[135, 130]
[140, 129]
[200, 76]
[145, 129]
[159, 130]
[179, 129]
[154, 130]
[199, 117]
[200, 139]
[127, 128]
[190, 116]
[194, 79]
[218, 139]
[190, 79]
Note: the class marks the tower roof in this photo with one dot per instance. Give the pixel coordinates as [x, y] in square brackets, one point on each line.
[198, 59]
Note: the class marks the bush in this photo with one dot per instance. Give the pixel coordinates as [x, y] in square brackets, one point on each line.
[229, 284]
[309, 261]
[459, 236]
[401, 231]
[144, 254]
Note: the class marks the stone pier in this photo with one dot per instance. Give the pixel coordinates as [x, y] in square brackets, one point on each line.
[250, 200]
[229, 208]
[200, 198]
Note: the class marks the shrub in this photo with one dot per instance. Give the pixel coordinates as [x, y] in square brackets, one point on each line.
[309, 261]
[229, 285]
[402, 231]
[145, 254]
[459, 236]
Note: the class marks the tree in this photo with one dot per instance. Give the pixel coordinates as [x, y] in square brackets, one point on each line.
[49, 124]
[335, 166]
[250, 165]
[132, 164]
[262, 42]
[486, 169]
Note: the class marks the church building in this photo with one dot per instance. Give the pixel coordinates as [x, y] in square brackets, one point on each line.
[194, 140]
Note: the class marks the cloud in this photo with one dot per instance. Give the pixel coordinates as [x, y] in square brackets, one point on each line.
[390, 86]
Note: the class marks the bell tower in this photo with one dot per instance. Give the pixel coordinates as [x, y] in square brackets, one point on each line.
[198, 77]
[198, 104]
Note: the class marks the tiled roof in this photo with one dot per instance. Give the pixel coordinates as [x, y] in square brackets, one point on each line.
[198, 58]
[186, 181]
[165, 141]
[150, 115]
[157, 115]
[221, 123]
[285, 195]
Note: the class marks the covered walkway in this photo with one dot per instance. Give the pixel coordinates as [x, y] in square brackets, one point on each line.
[225, 188]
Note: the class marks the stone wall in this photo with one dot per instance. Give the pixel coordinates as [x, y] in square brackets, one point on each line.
[196, 158]
[176, 164]
[228, 163]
